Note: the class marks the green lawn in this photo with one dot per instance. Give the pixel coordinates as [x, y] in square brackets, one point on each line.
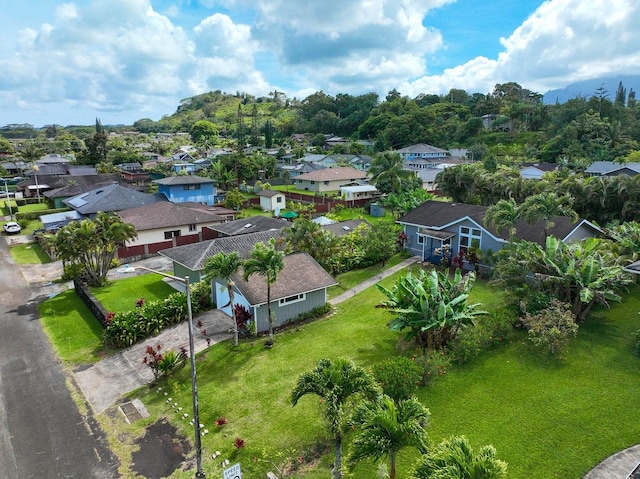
[352, 278]
[75, 333]
[121, 295]
[34, 207]
[548, 417]
[29, 253]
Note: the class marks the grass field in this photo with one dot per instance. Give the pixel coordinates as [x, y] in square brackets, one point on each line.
[121, 295]
[29, 253]
[548, 417]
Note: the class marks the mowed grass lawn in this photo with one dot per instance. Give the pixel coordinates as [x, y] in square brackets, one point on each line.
[76, 334]
[548, 417]
[29, 253]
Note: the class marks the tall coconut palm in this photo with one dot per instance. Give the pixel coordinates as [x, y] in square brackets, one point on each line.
[385, 428]
[454, 458]
[388, 173]
[504, 214]
[336, 382]
[546, 206]
[267, 261]
[225, 265]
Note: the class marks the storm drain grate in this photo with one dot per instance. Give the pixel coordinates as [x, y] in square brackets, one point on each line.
[130, 412]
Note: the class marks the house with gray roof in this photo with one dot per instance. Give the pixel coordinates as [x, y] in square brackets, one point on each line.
[300, 287]
[422, 150]
[187, 188]
[330, 179]
[249, 225]
[609, 168]
[459, 226]
[188, 260]
[110, 198]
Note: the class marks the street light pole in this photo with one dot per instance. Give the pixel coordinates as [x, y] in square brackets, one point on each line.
[192, 354]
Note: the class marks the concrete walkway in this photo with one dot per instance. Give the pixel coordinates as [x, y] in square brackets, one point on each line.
[617, 466]
[350, 293]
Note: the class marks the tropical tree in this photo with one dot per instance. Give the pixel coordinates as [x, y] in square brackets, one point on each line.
[504, 214]
[454, 458]
[267, 261]
[305, 235]
[388, 173]
[92, 245]
[338, 383]
[385, 428]
[433, 306]
[224, 265]
[546, 206]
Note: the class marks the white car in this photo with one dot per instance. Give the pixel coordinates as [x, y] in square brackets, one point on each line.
[12, 227]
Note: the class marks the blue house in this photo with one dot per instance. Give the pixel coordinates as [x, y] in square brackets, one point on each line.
[187, 188]
[436, 226]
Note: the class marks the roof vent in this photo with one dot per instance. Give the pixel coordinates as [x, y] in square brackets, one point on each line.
[248, 225]
[346, 228]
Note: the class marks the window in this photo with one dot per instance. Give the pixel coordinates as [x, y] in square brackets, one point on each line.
[193, 228]
[190, 187]
[278, 199]
[292, 299]
[470, 237]
[420, 239]
[171, 234]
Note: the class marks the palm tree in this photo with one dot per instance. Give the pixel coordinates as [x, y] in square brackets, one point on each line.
[504, 214]
[387, 172]
[454, 458]
[267, 261]
[336, 382]
[546, 206]
[386, 427]
[225, 265]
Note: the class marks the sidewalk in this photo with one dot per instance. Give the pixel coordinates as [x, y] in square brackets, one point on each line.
[350, 293]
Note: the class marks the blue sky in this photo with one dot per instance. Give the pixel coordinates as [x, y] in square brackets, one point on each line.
[68, 62]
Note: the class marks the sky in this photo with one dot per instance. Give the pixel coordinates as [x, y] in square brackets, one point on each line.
[70, 62]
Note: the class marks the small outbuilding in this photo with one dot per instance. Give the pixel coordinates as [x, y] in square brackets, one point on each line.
[272, 200]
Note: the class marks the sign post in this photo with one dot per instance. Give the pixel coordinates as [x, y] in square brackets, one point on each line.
[232, 472]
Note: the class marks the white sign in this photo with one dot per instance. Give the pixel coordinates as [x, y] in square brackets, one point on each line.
[233, 472]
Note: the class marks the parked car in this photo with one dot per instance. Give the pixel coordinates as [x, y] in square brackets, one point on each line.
[12, 227]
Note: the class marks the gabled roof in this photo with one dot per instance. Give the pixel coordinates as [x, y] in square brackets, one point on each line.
[542, 166]
[301, 274]
[164, 214]
[193, 256]
[183, 180]
[333, 174]
[608, 167]
[439, 215]
[113, 197]
[269, 193]
[74, 190]
[249, 225]
[343, 228]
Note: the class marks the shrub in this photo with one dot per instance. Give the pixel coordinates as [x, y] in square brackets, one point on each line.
[552, 327]
[163, 364]
[201, 296]
[399, 377]
[490, 330]
[433, 365]
[637, 347]
[243, 317]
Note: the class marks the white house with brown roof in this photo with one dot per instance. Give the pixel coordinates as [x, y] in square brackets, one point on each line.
[164, 225]
[271, 200]
[330, 179]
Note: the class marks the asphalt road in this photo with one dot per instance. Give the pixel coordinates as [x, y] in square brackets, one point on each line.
[42, 433]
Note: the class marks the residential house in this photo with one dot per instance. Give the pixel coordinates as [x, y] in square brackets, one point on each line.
[301, 286]
[189, 259]
[248, 225]
[184, 168]
[422, 150]
[272, 200]
[66, 187]
[152, 159]
[428, 169]
[330, 179]
[164, 225]
[359, 192]
[458, 226]
[227, 213]
[54, 221]
[609, 168]
[298, 168]
[110, 198]
[185, 188]
[535, 171]
[343, 228]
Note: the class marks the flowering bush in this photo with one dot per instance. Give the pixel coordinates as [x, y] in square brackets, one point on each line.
[163, 364]
[221, 421]
[238, 443]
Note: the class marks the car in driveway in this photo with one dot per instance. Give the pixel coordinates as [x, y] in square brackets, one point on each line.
[11, 227]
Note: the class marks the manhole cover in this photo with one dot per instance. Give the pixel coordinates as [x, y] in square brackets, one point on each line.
[130, 412]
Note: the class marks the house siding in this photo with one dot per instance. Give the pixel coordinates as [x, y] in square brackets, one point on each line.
[177, 194]
[181, 271]
[285, 314]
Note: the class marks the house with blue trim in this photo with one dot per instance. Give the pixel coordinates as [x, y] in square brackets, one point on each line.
[187, 188]
[438, 226]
